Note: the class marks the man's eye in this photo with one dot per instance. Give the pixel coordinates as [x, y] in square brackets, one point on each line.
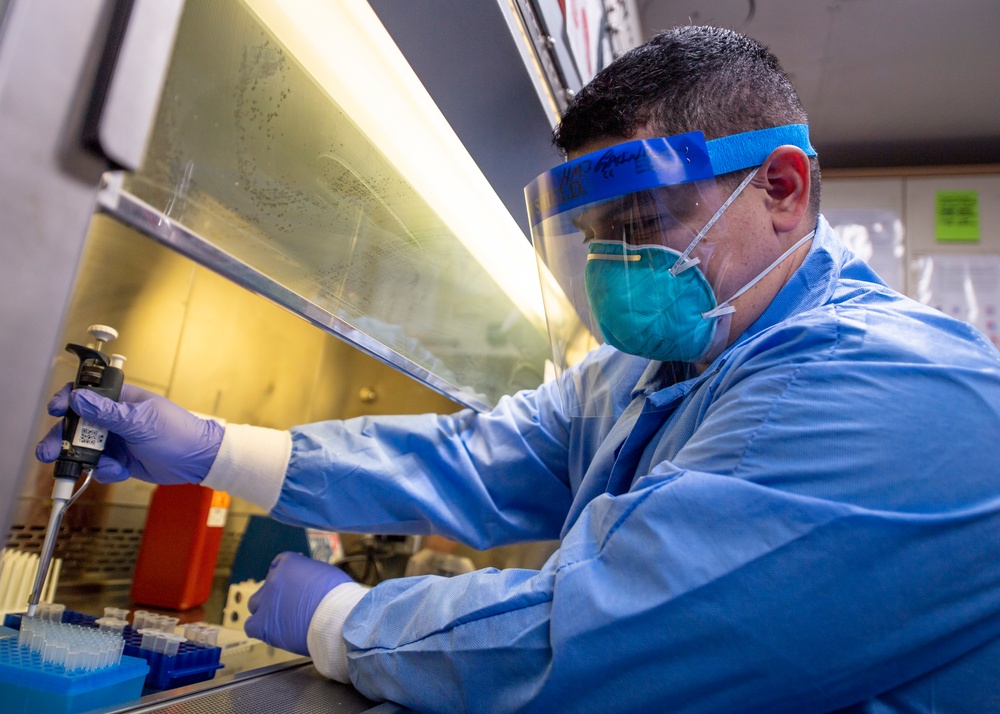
[639, 231]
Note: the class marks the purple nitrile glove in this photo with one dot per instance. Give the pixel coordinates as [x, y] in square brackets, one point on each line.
[283, 607]
[150, 437]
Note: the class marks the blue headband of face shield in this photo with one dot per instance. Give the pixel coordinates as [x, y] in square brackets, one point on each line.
[652, 163]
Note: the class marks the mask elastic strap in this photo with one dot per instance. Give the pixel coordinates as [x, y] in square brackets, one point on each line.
[683, 263]
[725, 308]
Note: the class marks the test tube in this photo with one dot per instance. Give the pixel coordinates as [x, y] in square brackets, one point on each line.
[64, 653]
[111, 624]
[104, 657]
[210, 636]
[74, 658]
[148, 638]
[51, 611]
[24, 636]
[37, 640]
[115, 613]
[173, 644]
[139, 619]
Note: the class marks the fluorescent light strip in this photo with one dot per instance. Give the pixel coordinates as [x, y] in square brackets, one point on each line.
[345, 48]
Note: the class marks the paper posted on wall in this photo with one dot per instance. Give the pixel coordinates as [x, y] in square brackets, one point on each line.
[966, 287]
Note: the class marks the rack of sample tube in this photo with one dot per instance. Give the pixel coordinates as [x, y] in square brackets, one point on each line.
[173, 659]
[49, 666]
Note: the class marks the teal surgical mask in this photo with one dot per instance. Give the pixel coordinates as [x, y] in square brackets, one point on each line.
[642, 308]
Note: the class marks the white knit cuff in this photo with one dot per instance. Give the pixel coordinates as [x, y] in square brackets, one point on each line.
[325, 638]
[251, 464]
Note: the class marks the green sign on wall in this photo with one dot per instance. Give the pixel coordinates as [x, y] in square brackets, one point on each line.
[956, 216]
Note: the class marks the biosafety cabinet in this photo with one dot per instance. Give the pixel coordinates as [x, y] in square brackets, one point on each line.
[282, 221]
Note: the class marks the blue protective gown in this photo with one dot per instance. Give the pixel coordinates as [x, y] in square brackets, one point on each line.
[811, 524]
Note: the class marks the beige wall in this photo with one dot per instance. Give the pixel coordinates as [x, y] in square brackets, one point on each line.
[911, 196]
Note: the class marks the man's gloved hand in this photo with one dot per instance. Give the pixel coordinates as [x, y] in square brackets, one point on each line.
[150, 438]
[283, 607]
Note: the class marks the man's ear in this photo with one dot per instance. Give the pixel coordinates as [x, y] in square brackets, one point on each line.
[786, 180]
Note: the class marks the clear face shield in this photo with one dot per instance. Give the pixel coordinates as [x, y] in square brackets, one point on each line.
[630, 242]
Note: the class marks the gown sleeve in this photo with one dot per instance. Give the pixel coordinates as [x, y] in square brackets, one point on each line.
[480, 479]
[812, 545]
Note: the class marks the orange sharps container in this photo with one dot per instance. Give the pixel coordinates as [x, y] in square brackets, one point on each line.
[180, 545]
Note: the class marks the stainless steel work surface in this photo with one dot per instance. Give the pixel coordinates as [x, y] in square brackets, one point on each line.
[296, 689]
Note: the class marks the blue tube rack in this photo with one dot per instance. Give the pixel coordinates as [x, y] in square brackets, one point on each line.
[29, 686]
[193, 662]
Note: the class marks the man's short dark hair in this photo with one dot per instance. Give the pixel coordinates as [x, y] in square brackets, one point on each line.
[691, 78]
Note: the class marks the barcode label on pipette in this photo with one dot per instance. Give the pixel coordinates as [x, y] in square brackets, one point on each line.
[90, 436]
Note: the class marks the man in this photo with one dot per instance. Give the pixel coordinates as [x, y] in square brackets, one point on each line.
[775, 487]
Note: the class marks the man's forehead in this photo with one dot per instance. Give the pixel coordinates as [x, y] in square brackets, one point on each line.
[599, 143]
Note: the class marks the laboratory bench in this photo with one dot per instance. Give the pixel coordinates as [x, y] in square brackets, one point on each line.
[254, 677]
[289, 686]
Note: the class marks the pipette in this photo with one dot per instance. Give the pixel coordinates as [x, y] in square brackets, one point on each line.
[82, 442]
